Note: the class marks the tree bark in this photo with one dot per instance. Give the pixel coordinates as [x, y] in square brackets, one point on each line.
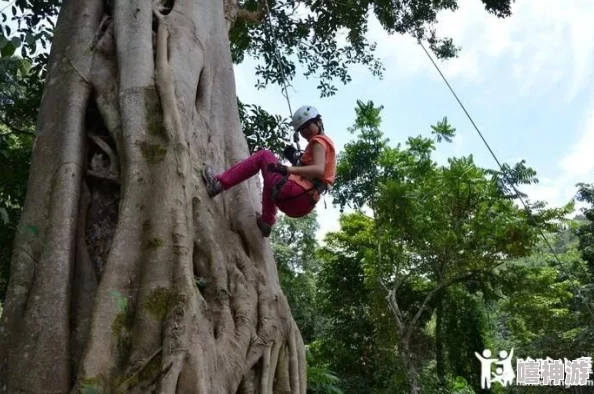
[411, 371]
[117, 226]
[406, 328]
[404, 348]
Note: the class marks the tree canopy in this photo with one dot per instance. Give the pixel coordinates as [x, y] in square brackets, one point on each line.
[325, 38]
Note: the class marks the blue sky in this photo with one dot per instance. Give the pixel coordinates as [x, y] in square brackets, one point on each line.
[525, 81]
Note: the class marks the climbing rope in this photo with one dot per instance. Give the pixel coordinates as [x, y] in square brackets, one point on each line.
[285, 91]
[8, 5]
[579, 294]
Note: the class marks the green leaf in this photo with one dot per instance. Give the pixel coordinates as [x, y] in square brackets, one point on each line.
[8, 49]
[16, 41]
[460, 383]
[24, 66]
[121, 301]
[30, 38]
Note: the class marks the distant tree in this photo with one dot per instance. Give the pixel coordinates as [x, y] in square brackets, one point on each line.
[435, 226]
[294, 246]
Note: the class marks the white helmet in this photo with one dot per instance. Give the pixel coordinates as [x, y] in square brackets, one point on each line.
[303, 114]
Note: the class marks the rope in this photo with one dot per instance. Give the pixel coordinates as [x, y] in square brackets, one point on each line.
[284, 91]
[508, 180]
[8, 5]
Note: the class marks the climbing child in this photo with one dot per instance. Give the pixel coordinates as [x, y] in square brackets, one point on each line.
[293, 189]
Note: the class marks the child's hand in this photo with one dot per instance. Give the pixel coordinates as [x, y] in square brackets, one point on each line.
[290, 153]
[278, 168]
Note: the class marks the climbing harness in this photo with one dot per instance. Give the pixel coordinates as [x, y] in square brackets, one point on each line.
[318, 187]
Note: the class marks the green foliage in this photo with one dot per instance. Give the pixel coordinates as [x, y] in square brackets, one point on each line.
[357, 167]
[320, 379]
[263, 130]
[443, 131]
[359, 337]
[461, 386]
[18, 110]
[540, 313]
[14, 167]
[450, 225]
[585, 232]
[294, 245]
[465, 327]
[453, 218]
[306, 32]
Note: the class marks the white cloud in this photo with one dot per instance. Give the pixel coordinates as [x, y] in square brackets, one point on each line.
[537, 47]
[579, 162]
[574, 166]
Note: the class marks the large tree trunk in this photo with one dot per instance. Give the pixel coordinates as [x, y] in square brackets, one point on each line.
[125, 276]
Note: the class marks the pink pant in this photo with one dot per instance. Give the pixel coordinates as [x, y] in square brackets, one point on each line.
[295, 207]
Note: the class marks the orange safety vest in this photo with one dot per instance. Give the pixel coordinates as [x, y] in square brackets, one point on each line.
[329, 165]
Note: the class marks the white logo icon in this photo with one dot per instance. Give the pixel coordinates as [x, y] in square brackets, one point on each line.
[504, 373]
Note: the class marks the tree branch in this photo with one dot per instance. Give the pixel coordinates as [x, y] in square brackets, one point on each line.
[15, 129]
[443, 284]
[253, 16]
[393, 306]
[250, 16]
